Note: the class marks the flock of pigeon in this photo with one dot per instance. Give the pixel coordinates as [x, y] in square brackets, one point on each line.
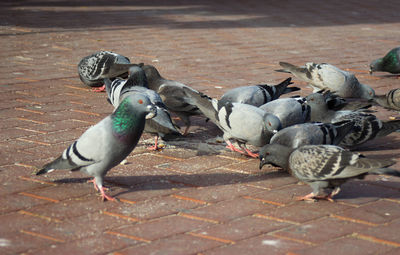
[309, 137]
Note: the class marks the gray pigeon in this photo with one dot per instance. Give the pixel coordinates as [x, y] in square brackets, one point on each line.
[390, 101]
[389, 63]
[95, 68]
[107, 143]
[323, 166]
[290, 111]
[257, 95]
[173, 95]
[366, 126]
[312, 133]
[326, 76]
[242, 123]
[161, 125]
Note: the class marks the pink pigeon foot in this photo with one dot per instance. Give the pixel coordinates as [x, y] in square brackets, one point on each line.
[99, 89]
[233, 148]
[106, 197]
[251, 154]
[309, 197]
[155, 147]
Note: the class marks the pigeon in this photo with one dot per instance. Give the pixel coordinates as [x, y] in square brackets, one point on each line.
[390, 101]
[106, 144]
[290, 111]
[389, 63]
[326, 76]
[312, 133]
[335, 102]
[242, 123]
[366, 125]
[323, 167]
[257, 95]
[161, 125]
[173, 95]
[95, 68]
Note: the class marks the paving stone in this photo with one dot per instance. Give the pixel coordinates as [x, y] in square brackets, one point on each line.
[174, 245]
[347, 245]
[321, 230]
[377, 212]
[262, 244]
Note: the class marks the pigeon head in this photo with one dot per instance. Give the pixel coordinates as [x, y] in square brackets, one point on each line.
[367, 92]
[275, 154]
[272, 123]
[129, 112]
[375, 65]
[137, 76]
[151, 72]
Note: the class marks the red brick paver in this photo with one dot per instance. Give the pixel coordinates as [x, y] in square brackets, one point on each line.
[194, 197]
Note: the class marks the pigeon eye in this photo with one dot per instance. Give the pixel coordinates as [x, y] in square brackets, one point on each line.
[140, 101]
[269, 124]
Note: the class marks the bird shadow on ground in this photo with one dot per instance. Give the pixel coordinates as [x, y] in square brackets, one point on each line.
[369, 189]
[165, 182]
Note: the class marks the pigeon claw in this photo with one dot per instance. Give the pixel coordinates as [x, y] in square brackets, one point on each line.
[104, 196]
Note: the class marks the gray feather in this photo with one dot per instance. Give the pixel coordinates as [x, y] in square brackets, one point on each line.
[329, 77]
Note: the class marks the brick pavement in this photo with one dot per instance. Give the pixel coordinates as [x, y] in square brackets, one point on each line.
[194, 197]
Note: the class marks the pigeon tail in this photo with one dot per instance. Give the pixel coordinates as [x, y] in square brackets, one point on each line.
[386, 171]
[388, 127]
[289, 68]
[204, 103]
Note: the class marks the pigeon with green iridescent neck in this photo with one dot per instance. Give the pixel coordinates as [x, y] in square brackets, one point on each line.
[107, 143]
[161, 125]
[323, 167]
[328, 77]
[93, 69]
[389, 63]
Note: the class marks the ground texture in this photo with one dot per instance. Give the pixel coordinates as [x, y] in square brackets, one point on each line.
[194, 197]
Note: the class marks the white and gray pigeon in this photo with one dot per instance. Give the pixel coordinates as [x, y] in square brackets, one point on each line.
[242, 123]
[329, 77]
[161, 125]
[323, 167]
[390, 100]
[312, 133]
[290, 111]
[173, 95]
[257, 95]
[389, 63]
[106, 144]
[366, 126]
[93, 69]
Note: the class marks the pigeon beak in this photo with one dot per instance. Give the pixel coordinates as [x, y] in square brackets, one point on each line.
[274, 131]
[152, 112]
[370, 71]
[262, 163]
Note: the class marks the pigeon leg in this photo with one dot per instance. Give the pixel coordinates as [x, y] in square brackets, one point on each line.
[94, 183]
[186, 131]
[232, 148]
[95, 186]
[251, 154]
[155, 147]
[99, 89]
